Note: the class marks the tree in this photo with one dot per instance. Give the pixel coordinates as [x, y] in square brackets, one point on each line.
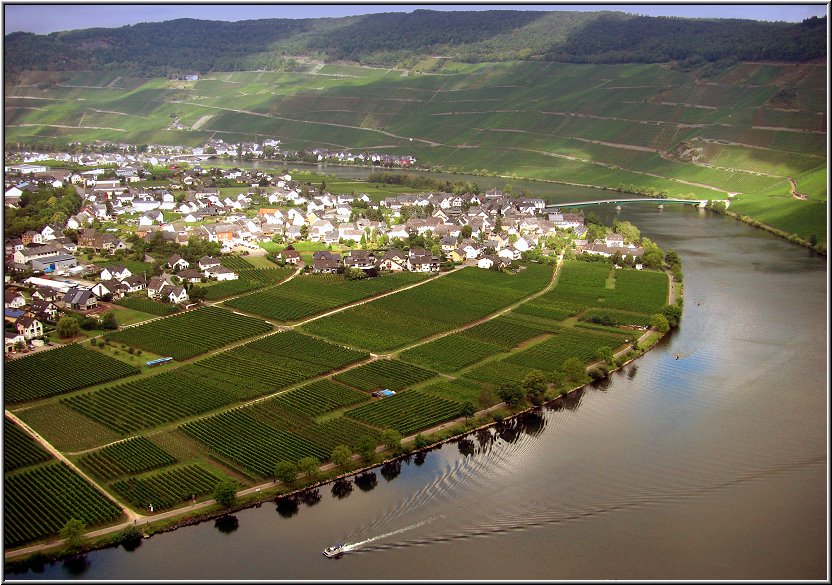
[468, 410]
[197, 293]
[534, 386]
[673, 314]
[392, 439]
[225, 493]
[659, 321]
[67, 327]
[511, 393]
[574, 369]
[367, 448]
[605, 353]
[73, 533]
[630, 232]
[341, 455]
[309, 466]
[285, 471]
[466, 231]
[108, 321]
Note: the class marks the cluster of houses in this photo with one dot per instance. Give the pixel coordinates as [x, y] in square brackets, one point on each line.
[483, 229]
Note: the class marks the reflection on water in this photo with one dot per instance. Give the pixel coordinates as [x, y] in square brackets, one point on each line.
[712, 466]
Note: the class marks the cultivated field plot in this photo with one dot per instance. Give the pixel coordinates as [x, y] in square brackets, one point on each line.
[129, 457]
[19, 449]
[189, 334]
[505, 331]
[254, 369]
[58, 371]
[40, 500]
[146, 305]
[614, 318]
[407, 412]
[252, 445]
[249, 279]
[321, 397]
[549, 355]
[166, 489]
[461, 391]
[582, 285]
[308, 295]
[390, 374]
[444, 303]
[450, 353]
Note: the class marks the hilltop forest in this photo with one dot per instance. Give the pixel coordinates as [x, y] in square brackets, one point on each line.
[725, 109]
[396, 39]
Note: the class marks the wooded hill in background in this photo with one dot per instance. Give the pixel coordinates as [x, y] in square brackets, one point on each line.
[401, 39]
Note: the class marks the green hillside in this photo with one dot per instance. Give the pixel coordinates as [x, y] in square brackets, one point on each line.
[639, 128]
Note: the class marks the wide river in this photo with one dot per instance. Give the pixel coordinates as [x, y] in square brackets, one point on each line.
[711, 466]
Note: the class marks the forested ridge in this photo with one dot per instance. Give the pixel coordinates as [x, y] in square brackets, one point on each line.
[391, 39]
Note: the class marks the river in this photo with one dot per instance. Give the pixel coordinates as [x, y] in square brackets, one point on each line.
[712, 466]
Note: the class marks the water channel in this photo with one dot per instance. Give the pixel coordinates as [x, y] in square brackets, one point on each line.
[711, 466]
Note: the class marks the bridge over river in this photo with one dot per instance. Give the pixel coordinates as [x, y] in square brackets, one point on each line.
[697, 202]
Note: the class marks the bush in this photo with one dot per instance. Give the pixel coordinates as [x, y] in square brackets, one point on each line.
[595, 374]
[421, 441]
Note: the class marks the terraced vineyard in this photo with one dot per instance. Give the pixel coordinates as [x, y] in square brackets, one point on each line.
[528, 118]
[189, 334]
[37, 502]
[166, 489]
[19, 449]
[447, 302]
[35, 376]
[308, 295]
[129, 457]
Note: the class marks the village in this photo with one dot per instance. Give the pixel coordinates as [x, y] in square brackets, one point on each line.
[56, 268]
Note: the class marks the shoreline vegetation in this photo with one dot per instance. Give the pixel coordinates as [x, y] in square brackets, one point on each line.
[129, 535]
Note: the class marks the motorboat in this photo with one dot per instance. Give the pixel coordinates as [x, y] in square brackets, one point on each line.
[333, 551]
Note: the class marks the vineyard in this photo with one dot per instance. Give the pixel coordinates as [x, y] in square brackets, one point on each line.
[58, 371]
[37, 502]
[406, 412]
[444, 303]
[321, 397]
[308, 295]
[166, 489]
[249, 279]
[146, 305]
[250, 443]
[19, 449]
[254, 369]
[550, 354]
[126, 458]
[459, 390]
[391, 374]
[450, 353]
[612, 317]
[189, 334]
[505, 331]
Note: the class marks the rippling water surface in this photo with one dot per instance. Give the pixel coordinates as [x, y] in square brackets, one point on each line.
[710, 466]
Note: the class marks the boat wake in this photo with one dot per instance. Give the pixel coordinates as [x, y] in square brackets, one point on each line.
[355, 545]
